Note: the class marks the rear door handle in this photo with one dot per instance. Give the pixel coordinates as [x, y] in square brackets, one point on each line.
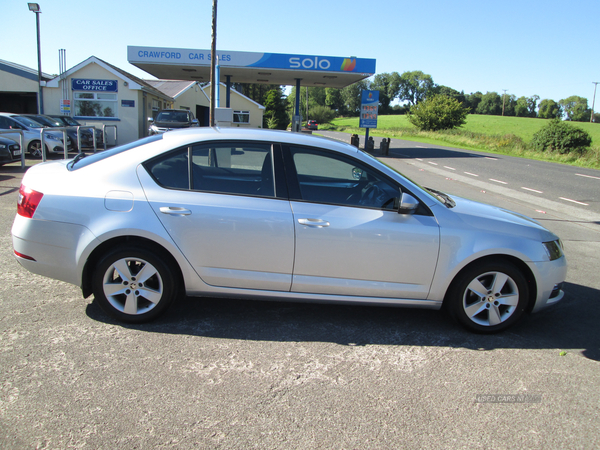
[175, 211]
[315, 223]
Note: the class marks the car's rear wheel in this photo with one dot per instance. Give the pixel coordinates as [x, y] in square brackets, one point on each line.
[35, 149]
[133, 285]
[489, 298]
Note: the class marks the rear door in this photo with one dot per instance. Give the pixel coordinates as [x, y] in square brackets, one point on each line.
[227, 212]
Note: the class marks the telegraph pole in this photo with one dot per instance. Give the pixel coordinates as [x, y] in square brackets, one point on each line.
[503, 100]
[213, 66]
[595, 83]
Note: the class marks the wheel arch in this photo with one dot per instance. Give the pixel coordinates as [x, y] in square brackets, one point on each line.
[518, 263]
[122, 241]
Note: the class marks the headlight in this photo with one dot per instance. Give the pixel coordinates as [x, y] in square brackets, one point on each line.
[2, 146]
[553, 249]
[51, 137]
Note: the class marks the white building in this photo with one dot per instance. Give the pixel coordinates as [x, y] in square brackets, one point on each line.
[97, 93]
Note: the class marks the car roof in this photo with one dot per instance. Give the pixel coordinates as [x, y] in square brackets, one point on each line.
[190, 135]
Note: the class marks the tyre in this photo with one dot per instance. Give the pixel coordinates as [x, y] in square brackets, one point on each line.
[35, 149]
[133, 285]
[489, 298]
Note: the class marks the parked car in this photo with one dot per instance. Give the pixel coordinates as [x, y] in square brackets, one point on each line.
[86, 133]
[171, 119]
[49, 122]
[10, 151]
[312, 125]
[31, 134]
[278, 216]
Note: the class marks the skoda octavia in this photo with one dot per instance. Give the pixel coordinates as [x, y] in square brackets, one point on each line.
[262, 214]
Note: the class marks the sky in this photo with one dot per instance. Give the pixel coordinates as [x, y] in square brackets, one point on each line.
[547, 48]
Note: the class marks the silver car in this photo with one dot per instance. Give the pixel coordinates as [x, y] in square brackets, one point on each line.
[275, 215]
[31, 134]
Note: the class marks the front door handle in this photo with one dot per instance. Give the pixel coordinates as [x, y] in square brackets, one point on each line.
[315, 223]
[175, 211]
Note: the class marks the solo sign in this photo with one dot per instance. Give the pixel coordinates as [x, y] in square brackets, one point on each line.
[85, 84]
[369, 107]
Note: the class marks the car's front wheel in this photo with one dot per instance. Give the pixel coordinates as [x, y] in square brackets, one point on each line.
[35, 149]
[133, 285]
[489, 298]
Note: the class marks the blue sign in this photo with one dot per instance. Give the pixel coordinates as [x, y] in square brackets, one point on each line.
[128, 103]
[84, 84]
[369, 108]
[250, 59]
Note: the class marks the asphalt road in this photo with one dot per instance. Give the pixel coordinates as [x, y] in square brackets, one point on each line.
[230, 374]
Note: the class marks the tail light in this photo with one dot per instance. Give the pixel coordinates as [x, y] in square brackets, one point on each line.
[28, 201]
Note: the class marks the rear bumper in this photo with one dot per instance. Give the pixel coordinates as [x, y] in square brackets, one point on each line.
[54, 247]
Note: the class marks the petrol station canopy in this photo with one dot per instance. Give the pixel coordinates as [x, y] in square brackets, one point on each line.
[249, 67]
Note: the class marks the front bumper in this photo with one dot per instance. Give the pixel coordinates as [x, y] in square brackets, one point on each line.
[550, 276]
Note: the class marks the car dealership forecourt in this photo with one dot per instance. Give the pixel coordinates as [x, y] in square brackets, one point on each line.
[98, 93]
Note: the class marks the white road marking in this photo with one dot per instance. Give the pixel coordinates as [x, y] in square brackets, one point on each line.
[532, 190]
[587, 176]
[472, 174]
[450, 168]
[420, 146]
[493, 159]
[574, 201]
[418, 159]
[498, 181]
[432, 163]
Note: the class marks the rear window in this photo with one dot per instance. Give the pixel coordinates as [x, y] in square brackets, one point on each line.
[172, 116]
[79, 162]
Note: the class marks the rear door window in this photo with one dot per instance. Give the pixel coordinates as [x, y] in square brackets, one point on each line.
[242, 168]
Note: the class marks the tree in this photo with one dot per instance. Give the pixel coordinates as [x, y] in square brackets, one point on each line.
[316, 97]
[388, 85]
[438, 112]
[491, 103]
[275, 115]
[549, 109]
[256, 91]
[532, 105]
[473, 100]
[351, 95]
[561, 137]
[509, 103]
[415, 86]
[576, 108]
[322, 114]
[334, 100]
[449, 92]
[522, 107]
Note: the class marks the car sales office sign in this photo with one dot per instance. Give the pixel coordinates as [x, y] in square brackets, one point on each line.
[369, 107]
[85, 84]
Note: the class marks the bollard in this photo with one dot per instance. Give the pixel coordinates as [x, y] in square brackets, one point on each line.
[354, 140]
[385, 146]
[370, 145]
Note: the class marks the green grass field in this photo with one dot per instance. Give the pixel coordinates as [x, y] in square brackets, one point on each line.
[523, 127]
[505, 135]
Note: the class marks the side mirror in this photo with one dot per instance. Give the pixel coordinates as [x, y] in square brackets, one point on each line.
[408, 204]
[357, 173]
[150, 120]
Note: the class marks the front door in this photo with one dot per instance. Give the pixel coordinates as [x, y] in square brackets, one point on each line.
[350, 240]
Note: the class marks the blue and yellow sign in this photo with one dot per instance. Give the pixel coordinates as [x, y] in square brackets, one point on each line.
[369, 107]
